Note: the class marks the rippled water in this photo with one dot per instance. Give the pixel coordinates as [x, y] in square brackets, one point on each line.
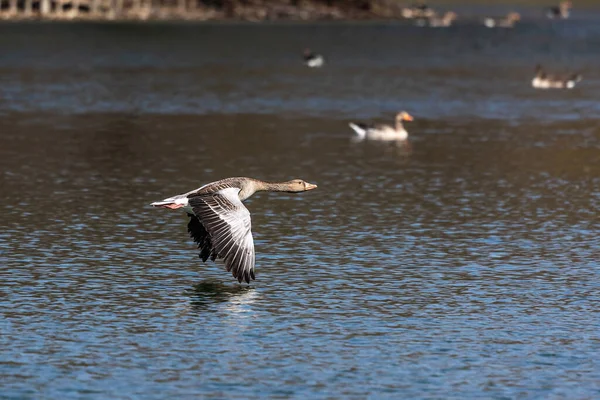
[462, 265]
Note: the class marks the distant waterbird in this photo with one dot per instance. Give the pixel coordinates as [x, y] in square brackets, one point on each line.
[383, 132]
[543, 80]
[312, 59]
[562, 11]
[438, 22]
[220, 223]
[508, 22]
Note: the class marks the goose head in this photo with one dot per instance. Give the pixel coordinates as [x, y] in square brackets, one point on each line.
[539, 70]
[403, 116]
[299, 185]
[513, 17]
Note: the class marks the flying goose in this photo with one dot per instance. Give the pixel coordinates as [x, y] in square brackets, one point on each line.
[383, 132]
[313, 60]
[220, 223]
[508, 22]
[543, 80]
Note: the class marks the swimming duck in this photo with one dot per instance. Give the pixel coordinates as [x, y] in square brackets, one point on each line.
[313, 60]
[560, 11]
[508, 22]
[437, 22]
[383, 132]
[220, 223]
[543, 80]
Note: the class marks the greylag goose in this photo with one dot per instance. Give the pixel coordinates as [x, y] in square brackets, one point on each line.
[313, 60]
[383, 132]
[560, 11]
[220, 223]
[543, 80]
[439, 22]
[508, 22]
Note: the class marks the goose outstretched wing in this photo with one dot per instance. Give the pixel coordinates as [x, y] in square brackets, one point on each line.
[227, 222]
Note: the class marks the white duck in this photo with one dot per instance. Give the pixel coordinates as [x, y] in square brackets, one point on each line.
[383, 132]
[220, 223]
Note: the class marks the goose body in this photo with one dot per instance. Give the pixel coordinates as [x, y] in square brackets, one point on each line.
[508, 22]
[543, 80]
[313, 60]
[220, 223]
[383, 132]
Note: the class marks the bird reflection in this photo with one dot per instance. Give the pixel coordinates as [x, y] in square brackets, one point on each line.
[402, 148]
[206, 294]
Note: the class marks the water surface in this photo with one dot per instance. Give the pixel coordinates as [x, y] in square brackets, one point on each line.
[462, 265]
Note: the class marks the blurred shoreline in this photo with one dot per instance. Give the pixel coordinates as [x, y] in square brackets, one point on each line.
[230, 10]
[199, 10]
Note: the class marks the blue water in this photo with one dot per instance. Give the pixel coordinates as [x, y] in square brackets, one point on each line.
[464, 264]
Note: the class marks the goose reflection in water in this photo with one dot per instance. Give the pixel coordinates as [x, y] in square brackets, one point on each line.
[401, 148]
[206, 295]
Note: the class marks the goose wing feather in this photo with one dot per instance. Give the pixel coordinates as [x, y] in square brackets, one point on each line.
[227, 222]
[371, 127]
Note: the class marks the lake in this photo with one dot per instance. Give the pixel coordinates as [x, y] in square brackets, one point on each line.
[463, 264]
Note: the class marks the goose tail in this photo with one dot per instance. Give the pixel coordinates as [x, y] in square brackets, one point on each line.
[171, 202]
[360, 131]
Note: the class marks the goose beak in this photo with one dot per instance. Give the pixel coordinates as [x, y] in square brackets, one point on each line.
[310, 186]
[408, 117]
